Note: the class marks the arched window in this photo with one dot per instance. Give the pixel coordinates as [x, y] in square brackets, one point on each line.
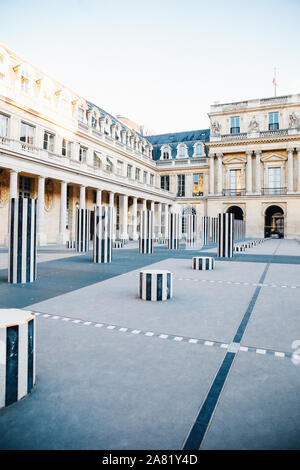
[166, 153]
[182, 151]
[199, 150]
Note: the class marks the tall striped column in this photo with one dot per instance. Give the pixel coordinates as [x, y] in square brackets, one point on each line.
[214, 229]
[174, 230]
[82, 230]
[191, 229]
[225, 236]
[146, 232]
[22, 266]
[17, 355]
[103, 228]
[205, 230]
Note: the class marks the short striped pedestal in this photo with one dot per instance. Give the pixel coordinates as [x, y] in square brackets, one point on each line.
[22, 266]
[162, 241]
[82, 230]
[239, 248]
[155, 285]
[17, 355]
[146, 232]
[102, 249]
[118, 244]
[203, 263]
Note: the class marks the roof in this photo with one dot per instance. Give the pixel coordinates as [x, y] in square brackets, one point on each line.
[189, 138]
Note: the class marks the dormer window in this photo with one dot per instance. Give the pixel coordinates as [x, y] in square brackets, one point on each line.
[80, 114]
[182, 151]
[25, 82]
[166, 153]
[199, 150]
[94, 120]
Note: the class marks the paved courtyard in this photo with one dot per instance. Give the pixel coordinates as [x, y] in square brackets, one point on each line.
[212, 368]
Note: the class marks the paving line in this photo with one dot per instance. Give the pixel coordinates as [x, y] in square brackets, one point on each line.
[170, 337]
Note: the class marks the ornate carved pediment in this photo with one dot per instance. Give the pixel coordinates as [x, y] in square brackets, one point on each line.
[274, 157]
[234, 159]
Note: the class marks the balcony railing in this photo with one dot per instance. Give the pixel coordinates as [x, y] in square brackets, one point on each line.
[273, 191]
[240, 136]
[234, 192]
[198, 194]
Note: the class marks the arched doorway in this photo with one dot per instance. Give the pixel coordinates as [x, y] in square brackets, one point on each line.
[237, 211]
[274, 221]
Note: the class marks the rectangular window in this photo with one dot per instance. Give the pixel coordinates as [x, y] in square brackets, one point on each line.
[198, 184]
[119, 168]
[66, 148]
[137, 174]
[165, 182]
[3, 125]
[48, 142]
[273, 121]
[25, 186]
[96, 160]
[27, 133]
[235, 125]
[274, 182]
[80, 114]
[129, 171]
[235, 182]
[180, 185]
[145, 177]
[151, 180]
[82, 154]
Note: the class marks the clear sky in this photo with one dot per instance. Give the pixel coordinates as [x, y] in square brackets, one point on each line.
[161, 63]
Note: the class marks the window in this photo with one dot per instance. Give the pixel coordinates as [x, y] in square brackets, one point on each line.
[145, 177]
[68, 206]
[66, 148]
[273, 121]
[199, 150]
[235, 182]
[235, 125]
[80, 114]
[165, 182]
[166, 154]
[27, 133]
[48, 142]
[151, 180]
[96, 160]
[137, 174]
[94, 120]
[82, 154]
[274, 180]
[119, 167]
[182, 151]
[25, 82]
[25, 186]
[3, 125]
[109, 165]
[198, 184]
[180, 185]
[129, 171]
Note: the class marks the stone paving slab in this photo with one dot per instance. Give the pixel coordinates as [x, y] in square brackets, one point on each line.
[260, 406]
[100, 390]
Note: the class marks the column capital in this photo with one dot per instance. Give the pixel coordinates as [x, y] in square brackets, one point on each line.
[220, 155]
[258, 153]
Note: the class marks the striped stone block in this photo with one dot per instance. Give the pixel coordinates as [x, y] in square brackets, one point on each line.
[70, 244]
[203, 263]
[155, 285]
[239, 248]
[118, 244]
[225, 236]
[174, 230]
[102, 241]
[82, 230]
[17, 355]
[146, 232]
[22, 267]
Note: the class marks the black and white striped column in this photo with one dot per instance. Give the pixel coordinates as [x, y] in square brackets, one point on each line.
[82, 230]
[214, 229]
[22, 266]
[239, 248]
[118, 244]
[102, 243]
[203, 263]
[146, 232]
[191, 229]
[205, 230]
[225, 236]
[17, 355]
[174, 230]
[155, 285]
[70, 244]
